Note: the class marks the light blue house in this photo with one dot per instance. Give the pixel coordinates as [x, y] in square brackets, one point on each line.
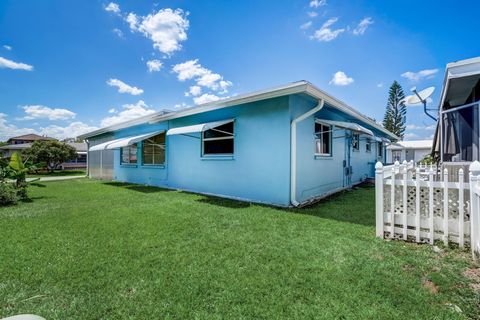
[285, 146]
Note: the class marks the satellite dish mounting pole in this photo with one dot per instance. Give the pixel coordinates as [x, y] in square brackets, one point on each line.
[424, 101]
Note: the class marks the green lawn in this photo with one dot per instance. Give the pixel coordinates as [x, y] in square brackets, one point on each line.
[57, 173]
[84, 249]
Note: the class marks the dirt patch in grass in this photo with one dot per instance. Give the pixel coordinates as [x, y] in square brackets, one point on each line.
[473, 274]
[432, 287]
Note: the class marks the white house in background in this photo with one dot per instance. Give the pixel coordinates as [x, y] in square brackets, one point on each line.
[414, 150]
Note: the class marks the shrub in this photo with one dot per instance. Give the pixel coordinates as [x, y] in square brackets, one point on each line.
[8, 194]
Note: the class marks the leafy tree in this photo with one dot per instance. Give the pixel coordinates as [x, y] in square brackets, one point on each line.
[396, 112]
[51, 152]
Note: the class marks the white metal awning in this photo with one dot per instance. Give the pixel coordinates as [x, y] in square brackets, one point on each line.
[382, 139]
[197, 127]
[123, 142]
[347, 125]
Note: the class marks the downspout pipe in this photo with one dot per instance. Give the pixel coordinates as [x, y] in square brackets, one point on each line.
[293, 150]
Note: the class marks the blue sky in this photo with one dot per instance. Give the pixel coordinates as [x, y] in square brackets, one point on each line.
[67, 67]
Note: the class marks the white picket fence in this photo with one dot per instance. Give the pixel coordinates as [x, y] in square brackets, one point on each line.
[420, 204]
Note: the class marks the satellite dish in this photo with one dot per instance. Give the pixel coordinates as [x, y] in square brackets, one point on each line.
[420, 97]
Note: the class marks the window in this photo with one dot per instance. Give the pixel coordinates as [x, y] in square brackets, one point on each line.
[153, 150]
[380, 149]
[396, 155]
[323, 135]
[368, 146]
[218, 140]
[129, 154]
[356, 142]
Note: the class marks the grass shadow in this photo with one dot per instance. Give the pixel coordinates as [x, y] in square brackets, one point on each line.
[36, 184]
[136, 187]
[355, 205]
[224, 202]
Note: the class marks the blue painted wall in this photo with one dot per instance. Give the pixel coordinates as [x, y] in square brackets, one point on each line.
[259, 170]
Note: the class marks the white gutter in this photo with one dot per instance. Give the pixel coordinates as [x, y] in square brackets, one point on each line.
[293, 150]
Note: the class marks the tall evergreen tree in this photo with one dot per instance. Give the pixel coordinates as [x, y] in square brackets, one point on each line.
[396, 112]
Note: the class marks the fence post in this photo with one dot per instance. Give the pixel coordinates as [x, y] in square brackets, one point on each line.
[405, 204]
[395, 170]
[417, 205]
[379, 199]
[474, 227]
[445, 206]
[430, 204]
[461, 214]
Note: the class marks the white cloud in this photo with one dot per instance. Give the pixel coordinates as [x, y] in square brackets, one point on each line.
[422, 127]
[43, 112]
[380, 85]
[154, 65]
[205, 98]
[112, 110]
[312, 14]
[411, 136]
[325, 33]
[5, 63]
[113, 7]
[123, 87]
[9, 130]
[167, 28]
[417, 76]
[6, 47]
[129, 112]
[341, 79]
[202, 76]
[72, 130]
[195, 90]
[362, 26]
[118, 32]
[181, 105]
[317, 3]
[306, 25]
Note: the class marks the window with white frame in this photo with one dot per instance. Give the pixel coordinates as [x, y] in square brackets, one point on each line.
[380, 149]
[128, 155]
[368, 146]
[218, 140]
[153, 150]
[323, 139]
[356, 142]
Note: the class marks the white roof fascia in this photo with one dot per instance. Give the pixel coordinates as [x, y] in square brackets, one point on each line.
[197, 127]
[292, 88]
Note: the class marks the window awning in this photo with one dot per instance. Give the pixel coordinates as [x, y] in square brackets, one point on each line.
[123, 142]
[382, 139]
[197, 127]
[347, 125]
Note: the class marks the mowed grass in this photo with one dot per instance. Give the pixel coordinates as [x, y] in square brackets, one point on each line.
[85, 249]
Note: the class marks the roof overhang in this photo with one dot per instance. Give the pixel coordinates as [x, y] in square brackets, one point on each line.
[292, 88]
[460, 78]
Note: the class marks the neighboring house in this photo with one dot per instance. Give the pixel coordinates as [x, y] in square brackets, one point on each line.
[285, 146]
[80, 162]
[27, 138]
[414, 150]
[456, 139]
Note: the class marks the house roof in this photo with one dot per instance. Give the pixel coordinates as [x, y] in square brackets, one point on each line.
[412, 144]
[79, 146]
[31, 136]
[460, 77]
[288, 89]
